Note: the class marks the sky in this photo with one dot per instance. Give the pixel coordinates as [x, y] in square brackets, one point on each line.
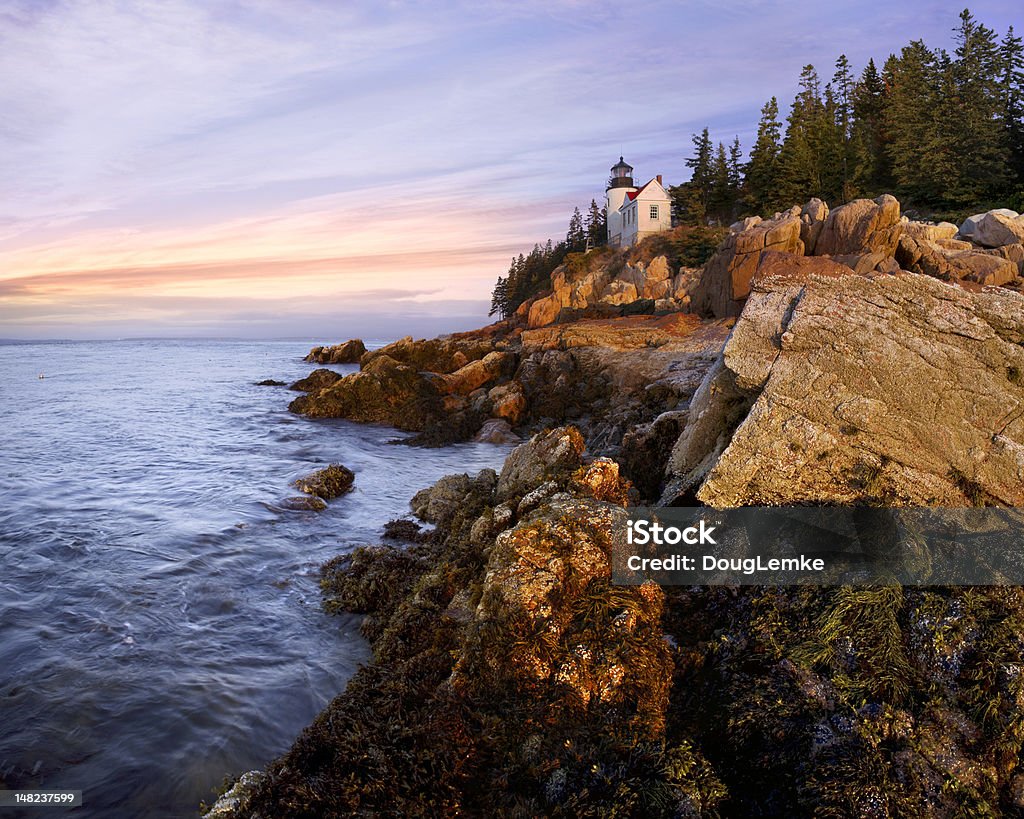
[324, 170]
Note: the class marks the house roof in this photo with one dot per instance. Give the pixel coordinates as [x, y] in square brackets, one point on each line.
[631, 195]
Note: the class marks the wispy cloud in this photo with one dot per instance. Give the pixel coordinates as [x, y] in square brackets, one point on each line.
[262, 148]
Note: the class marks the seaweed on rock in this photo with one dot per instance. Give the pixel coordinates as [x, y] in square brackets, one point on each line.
[509, 676]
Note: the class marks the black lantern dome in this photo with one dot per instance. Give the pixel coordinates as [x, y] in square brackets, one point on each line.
[622, 175]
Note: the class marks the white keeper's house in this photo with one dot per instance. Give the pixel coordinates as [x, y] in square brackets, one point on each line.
[634, 213]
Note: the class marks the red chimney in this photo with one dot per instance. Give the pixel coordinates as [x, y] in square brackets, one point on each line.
[658, 177]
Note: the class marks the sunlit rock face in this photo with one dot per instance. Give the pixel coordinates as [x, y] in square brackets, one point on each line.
[895, 389]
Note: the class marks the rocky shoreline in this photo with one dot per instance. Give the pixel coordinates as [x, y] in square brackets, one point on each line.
[820, 357]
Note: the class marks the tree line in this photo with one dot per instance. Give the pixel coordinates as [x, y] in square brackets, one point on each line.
[941, 131]
[529, 274]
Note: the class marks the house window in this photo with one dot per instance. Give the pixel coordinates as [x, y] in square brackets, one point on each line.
[654, 212]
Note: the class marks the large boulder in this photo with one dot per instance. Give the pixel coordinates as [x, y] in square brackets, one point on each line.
[898, 390]
[383, 392]
[861, 226]
[316, 380]
[508, 402]
[1015, 254]
[970, 225]
[812, 220]
[999, 227]
[725, 282]
[988, 269]
[347, 353]
[477, 373]
[546, 456]
[955, 265]
[657, 281]
[327, 483]
[539, 576]
[544, 311]
[619, 291]
[928, 231]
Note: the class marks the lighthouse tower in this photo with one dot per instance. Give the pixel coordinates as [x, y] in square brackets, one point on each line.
[619, 184]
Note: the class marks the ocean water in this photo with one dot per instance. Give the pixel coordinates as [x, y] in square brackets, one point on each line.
[160, 623]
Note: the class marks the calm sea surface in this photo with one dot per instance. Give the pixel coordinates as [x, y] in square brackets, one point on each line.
[159, 610]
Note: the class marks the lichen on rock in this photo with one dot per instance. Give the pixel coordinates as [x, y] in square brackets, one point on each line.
[509, 675]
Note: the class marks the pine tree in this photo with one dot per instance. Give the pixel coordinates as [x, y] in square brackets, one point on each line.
[1011, 55]
[575, 238]
[831, 151]
[736, 173]
[911, 124]
[977, 134]
[499, 298]
[800, 159]
[762, 170]
[596, 226]
[690, 199]
[722, 196]
[871, 170]
[842, 87]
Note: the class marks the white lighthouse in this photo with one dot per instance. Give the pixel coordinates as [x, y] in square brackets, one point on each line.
[619, 184]
[635, 213]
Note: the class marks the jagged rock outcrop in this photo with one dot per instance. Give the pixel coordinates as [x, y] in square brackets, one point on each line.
[928, 231]
[593, 292]
[606, 374]
[479, 372]
[861, 226]
[812, 220]
[383, 391]
[347, 353]
[896, 389]
[509, 675]
[316, 381]
[444, 355]
[725, 283]
[931, 259]
[870, 238]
